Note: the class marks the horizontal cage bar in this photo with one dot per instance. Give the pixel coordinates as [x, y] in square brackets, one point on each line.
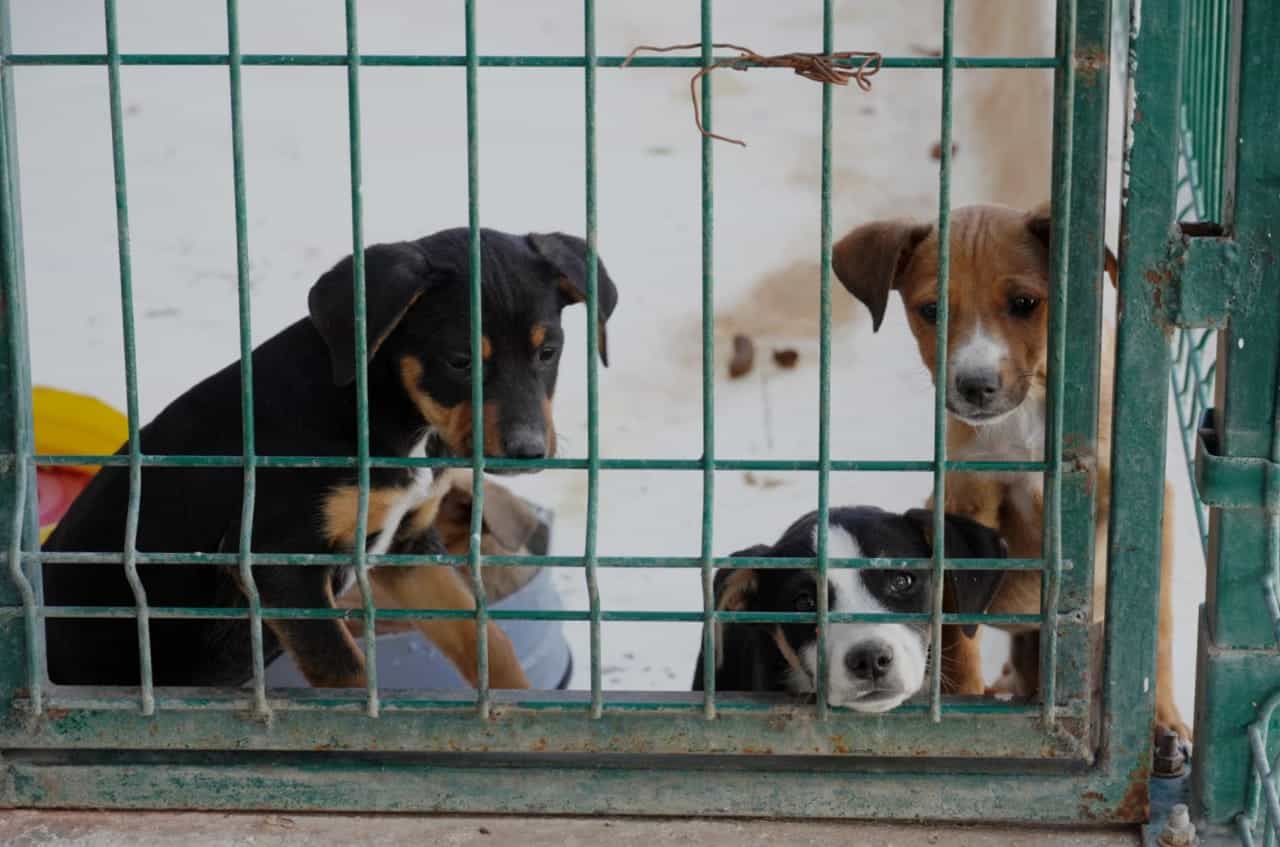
[780, 465]
[414, 561]
[312, 700]
[282, 613]
[447, 61]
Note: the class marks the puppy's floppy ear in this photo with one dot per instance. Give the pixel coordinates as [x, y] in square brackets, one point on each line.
[870, 259]
[967, 539]
[1040, 224]
[735, 587]
[567, 254]
[734, 590]
[395, 276]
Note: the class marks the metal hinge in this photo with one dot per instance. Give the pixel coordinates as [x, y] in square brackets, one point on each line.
[1198, 285]
[1233, 482]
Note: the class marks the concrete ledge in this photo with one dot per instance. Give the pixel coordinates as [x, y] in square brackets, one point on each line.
[19, 828]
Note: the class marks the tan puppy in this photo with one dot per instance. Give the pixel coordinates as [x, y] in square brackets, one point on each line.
[439, 506]
[997, 344]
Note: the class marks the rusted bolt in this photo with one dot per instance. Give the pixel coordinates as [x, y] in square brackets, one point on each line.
[1170, 762]
[1178, 831]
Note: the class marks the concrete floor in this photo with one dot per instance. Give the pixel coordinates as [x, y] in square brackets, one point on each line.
[134, 829]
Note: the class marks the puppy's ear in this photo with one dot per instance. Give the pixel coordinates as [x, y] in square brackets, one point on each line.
[967, 539]
[1040, 225]
[736, 587]
[395, 276]
[567, 254]
[870, 259]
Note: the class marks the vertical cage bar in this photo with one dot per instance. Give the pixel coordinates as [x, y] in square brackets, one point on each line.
[23, 650]
[940, 364]
[1194, 84]
[1060, 246]
[593, 377]
[130, 553]
[1076, 671]
[474, 559]
[1141, 383]
[1219, 132]
[1203, 35]
[247, 582]
[708, 368]
[1201, 56]
[360, 548]
[824, 373]
[1212, 127]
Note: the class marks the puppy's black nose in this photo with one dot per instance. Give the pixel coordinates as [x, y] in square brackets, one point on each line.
[524, 442]
[870, 660]
[978, 387]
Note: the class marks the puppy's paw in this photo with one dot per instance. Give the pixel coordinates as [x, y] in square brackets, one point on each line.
[1168, 719]
[1009, 686]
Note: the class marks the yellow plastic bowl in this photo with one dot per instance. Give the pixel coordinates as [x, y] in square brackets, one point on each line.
[70, 424]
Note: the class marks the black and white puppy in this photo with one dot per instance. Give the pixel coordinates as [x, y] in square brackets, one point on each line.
[871, 667]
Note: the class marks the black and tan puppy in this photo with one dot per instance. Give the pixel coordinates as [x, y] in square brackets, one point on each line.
[419, 379]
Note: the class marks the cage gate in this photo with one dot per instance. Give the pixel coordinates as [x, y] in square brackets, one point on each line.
[1071, 756]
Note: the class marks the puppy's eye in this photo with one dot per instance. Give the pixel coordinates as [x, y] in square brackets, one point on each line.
[458, 361]
[929, 312]
[1022, 306]
[806, 602]
[547, 354]
[900, 583]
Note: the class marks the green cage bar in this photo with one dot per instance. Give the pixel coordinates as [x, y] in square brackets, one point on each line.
[393, 560]
[359, 550]
[940, 360]
[824, 375]
[247, 581]
[1060, 270]
[130, 362]
[21, 647]
[590, 559]
[1141, 379]
[409, 60]
[877, 465]
[474, 559]
[708, 461]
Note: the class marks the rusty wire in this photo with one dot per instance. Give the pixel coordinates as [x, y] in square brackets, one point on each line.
[819, 67]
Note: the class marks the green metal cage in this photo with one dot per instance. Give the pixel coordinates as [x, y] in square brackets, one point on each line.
[1081, 752]
[1226, 390]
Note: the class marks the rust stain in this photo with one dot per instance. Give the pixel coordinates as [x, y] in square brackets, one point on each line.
[1090, 63]
[838, 745]
[1158, 277]
[1135, 805]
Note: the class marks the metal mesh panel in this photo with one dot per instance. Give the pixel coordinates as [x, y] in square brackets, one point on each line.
[1063, 726]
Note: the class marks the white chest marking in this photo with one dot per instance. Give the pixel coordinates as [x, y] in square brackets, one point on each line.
[423, 488]
[1016, 437]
